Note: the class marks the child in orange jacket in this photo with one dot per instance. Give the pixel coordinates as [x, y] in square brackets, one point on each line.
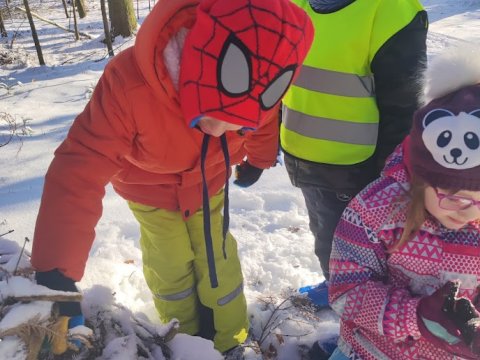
[166, 120]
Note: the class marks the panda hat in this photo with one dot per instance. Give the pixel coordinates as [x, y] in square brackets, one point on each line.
[445, 135]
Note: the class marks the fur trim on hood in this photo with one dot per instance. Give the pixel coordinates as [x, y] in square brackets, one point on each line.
[451, 71]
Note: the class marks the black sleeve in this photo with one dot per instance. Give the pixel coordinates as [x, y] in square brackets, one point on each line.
[396, 67]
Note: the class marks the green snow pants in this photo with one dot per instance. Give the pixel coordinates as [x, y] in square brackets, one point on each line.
[176, 271]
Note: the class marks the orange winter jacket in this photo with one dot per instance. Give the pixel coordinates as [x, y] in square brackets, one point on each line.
[132, 134]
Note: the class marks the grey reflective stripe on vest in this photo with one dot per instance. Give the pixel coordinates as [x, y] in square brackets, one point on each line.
[335, 83]
[178, 296]
[329, 129]
[226, 299]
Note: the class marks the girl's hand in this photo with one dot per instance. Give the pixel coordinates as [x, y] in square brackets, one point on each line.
[449, 322]
[434, 318]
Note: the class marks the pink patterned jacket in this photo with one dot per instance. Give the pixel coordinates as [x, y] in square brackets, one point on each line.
[376, 293]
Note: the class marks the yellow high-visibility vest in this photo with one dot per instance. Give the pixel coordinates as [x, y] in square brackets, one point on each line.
[330, 114]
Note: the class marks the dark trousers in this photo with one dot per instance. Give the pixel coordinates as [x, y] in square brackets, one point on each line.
[324, 210]
[325, 207]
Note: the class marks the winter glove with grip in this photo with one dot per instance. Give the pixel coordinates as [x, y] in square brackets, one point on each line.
[246, 174]
[432, 316]
[467, 318]
[70, 313]
[441, 325]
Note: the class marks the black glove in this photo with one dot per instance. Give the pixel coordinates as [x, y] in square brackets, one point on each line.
[55, 280]
[458, 316]
[69, 313]
[246, 174]
[467, 319]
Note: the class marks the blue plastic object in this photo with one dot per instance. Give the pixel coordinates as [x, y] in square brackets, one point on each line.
[318, 294]
[75, 321]
[329, 345]
[323, 349]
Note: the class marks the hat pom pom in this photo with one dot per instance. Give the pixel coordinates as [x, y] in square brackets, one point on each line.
[451, 71]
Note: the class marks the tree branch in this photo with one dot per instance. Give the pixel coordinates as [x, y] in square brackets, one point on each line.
[53, 23]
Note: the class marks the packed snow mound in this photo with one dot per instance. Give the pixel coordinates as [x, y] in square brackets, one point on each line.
[28, 317]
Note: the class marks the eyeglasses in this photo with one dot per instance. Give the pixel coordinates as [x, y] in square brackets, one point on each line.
[455, 202]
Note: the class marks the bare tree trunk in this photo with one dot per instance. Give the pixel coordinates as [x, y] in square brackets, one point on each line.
[7, 6]
[3, 31]
[108, 36]
[34, 33]
[75, 25]
[65, 8]
[122, 16]
[81, 8]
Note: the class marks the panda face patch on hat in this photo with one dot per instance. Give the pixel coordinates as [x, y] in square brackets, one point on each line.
[453, 140]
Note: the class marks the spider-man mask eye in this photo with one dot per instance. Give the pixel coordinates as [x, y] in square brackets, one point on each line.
[235, 74]
[240, 58]
[277, 88]
[234, 68]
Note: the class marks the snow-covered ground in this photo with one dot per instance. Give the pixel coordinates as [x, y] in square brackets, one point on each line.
[269, 220]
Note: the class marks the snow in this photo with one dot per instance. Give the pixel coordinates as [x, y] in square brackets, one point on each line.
[12, 348]
[269, 220]
[24, 313]
[80, 330]
[19, 286]
[190, 347]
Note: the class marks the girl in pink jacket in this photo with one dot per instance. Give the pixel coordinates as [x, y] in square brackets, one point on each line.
[405, 263]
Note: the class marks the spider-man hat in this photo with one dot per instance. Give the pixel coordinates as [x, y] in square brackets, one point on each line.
[240, 57]
[445, 138]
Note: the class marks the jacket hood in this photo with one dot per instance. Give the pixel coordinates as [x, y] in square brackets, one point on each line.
[165, 20]
[397, 165]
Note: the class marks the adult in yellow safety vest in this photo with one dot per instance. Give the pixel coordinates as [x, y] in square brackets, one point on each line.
[350, 106]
